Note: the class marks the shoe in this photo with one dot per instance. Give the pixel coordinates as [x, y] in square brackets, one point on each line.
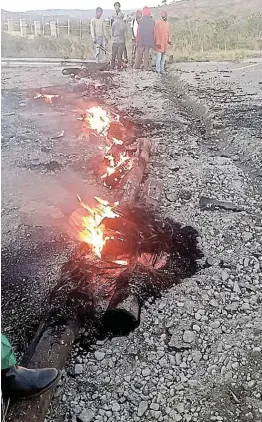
[23, 383]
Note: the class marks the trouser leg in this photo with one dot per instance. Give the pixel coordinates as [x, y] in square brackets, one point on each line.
[120, 51]
[114, 54]
[139, 55]
[133, 52]
[102, 55]
[162, 63]
[146, 57]
[125, 53]
[158, 61]
[8, 359]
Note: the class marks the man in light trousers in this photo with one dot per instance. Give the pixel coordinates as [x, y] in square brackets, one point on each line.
[161, 41]
[98, 34]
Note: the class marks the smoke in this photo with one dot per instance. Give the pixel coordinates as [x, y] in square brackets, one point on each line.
[49, 201]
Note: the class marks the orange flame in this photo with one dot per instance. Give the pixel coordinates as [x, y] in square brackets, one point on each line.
[116, 162]
[92, 228]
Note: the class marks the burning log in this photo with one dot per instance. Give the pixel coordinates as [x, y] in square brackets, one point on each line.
[130, 189]
[88, 69]
[152, 192]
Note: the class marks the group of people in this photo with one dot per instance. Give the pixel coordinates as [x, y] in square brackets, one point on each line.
[146, 35]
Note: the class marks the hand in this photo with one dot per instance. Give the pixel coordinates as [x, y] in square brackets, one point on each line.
[169, 42]
[158, 46]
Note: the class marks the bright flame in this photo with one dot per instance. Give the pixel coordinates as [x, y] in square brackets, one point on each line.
[48, 97]
[98, 119]
[121, 262]
[93, 229]
[116, 163]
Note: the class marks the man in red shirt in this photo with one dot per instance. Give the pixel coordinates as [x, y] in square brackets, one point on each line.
[161, 41]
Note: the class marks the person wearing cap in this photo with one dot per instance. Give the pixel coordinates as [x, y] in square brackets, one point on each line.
[161, 41]
[98, 35]
[117, 7]
[145, 39]
[134, 27]
[119, 30]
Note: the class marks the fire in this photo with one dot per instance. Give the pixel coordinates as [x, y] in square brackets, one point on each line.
[98, 119]
[118, 160]
[47, 97]
[121, 262]
[93, 230]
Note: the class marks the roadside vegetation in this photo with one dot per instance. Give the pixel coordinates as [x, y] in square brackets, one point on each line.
[222, 39]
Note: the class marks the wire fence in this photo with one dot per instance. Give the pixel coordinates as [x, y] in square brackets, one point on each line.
[76, 28]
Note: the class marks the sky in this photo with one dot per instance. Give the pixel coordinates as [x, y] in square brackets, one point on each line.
[21, 6]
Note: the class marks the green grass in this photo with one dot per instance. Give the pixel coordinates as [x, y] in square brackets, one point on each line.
[224, 39]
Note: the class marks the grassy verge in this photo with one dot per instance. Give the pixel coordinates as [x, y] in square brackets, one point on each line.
[224, 39]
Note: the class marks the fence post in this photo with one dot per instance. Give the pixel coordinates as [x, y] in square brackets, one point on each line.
[22, 27]
[53, 29]
[57, 27]
[80, 29]
[37, 25]
[10, 26]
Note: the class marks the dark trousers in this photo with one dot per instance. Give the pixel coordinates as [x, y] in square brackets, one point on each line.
[125, 54]
[142, 52]
[117, 52]
[134, 48]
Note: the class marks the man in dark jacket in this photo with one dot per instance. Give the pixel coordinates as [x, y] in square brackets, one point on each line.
[119, 29]
[145, 38]
[117, 7]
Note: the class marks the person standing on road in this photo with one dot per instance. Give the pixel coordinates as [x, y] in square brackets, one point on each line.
[98, 34]
[18, 382]
[145, 38]
[119, 30]
[134, 27]
[161, 41]
[117, 7]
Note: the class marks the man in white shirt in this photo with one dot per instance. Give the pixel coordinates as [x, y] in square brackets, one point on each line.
[134, 27]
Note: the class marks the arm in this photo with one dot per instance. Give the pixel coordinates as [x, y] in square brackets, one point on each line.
[113, 29]
[157, 38]
[93, 29]
[137, 36]
[169, 35]
[125, 31]
[104, 30]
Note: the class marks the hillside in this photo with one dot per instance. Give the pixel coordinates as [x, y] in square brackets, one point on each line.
[182, 11]
[212, 9]
[53, 14]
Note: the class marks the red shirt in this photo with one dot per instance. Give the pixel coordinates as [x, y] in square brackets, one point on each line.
[161, 35]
